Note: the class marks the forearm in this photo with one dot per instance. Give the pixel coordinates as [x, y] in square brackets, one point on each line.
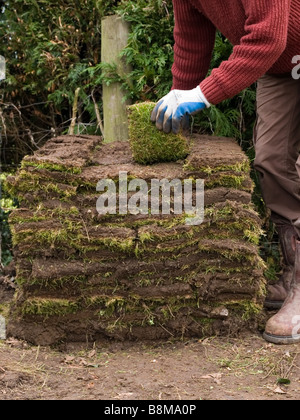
[264, 41]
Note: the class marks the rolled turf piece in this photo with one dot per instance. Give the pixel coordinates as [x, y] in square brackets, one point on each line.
[150, 145]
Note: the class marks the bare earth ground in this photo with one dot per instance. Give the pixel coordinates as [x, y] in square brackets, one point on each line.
[244, 368]
[213, 369]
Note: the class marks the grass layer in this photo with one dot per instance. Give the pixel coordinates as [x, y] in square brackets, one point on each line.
[149, 145]
[116, 307]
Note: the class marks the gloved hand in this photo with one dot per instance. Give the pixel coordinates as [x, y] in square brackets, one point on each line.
[170, 111]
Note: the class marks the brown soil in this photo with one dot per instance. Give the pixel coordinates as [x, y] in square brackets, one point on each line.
[7, 289]
[7, 286]
[226, 151]
[213, 369]
[64, 151]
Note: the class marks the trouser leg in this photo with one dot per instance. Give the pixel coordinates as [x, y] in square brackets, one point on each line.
[277, 145]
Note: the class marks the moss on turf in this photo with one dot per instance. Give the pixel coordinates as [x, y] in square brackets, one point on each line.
[150, 145]
[47, 307]
[245, 309]
[228, 181]
[32, 185]
[238, 168]
[50, 166]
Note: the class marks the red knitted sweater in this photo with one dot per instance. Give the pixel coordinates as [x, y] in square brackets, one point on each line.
[265, 35]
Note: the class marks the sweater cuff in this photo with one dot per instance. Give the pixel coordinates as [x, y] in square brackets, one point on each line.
[212, 91]
[202, 97]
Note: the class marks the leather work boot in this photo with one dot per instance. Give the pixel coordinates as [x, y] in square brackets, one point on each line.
[277, 293]
[284, 328]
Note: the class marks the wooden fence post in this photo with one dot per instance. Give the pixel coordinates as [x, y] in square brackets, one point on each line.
[115, 33]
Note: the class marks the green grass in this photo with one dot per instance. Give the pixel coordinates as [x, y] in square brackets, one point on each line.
[240, 167]
[148, 144]
[47, 307]
[51, 166]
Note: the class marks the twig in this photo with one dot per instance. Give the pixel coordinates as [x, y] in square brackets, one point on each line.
[74, 114]
[3, 122]
[37, 353]
[98, 116]
[169, 332]
[166, 8]
[179, 396]
[45, 381]
[292, 365]
[31, 137]
[86, 229]
[274, 367]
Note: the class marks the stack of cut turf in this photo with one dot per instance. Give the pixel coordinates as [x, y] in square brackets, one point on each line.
[86, 276]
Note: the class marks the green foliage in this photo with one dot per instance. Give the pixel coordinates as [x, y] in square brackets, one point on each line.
[150, 47]
[53, 47]
[6, 205]
[49, 46]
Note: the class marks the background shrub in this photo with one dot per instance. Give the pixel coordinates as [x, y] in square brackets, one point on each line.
[52, 48]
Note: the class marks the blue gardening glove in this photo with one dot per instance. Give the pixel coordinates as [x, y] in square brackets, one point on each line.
[175, 108]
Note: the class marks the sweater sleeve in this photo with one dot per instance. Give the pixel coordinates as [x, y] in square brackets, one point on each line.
[265, 39]
[194, 38]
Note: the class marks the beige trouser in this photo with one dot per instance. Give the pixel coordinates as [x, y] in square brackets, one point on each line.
[277, 145]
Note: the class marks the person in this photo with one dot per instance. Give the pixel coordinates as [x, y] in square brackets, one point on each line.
[266, 45]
